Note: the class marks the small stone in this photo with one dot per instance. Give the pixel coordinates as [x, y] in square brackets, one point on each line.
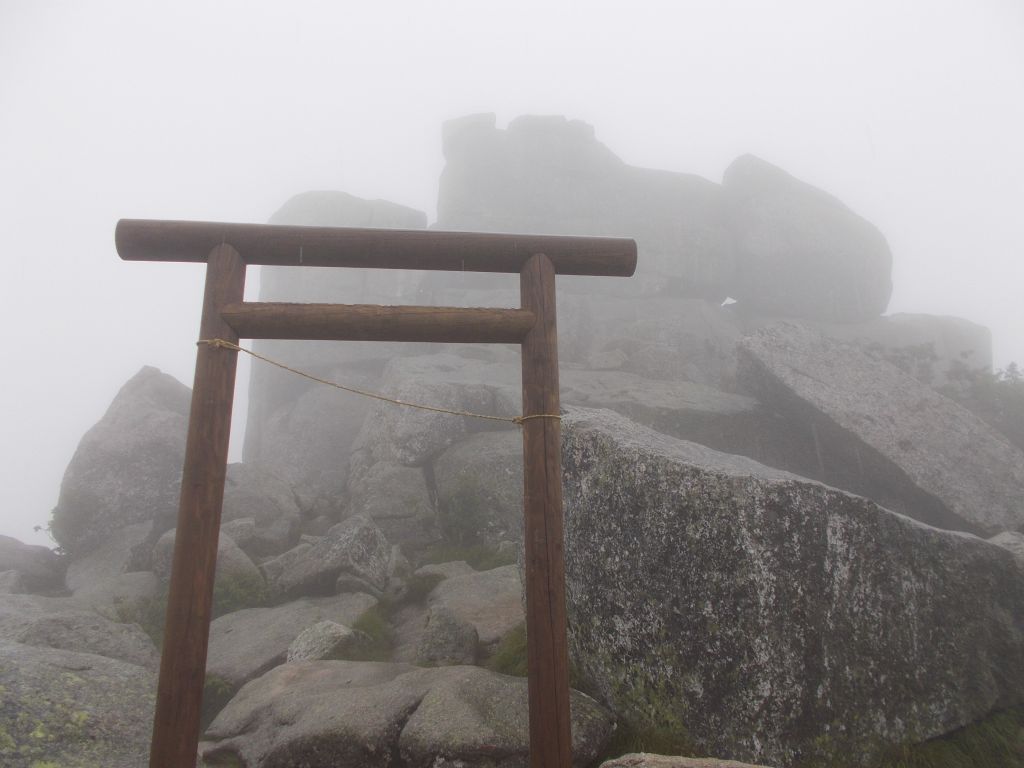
[644, 760]
[326, 640]
[446, 639]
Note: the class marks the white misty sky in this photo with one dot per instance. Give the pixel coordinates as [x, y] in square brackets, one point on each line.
[909, 112]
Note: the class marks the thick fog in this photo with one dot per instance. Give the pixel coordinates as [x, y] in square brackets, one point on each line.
[910, 113]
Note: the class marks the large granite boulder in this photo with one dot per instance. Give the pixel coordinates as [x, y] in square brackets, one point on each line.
[773, 618]
[349, 286]
[550, 175]
[373, 714]
[300, 430]
[127, 468]
[801, 252]
[39, 569]
[65, 708]
[880, 432]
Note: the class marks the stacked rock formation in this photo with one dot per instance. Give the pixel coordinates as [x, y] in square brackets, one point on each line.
[783, 543]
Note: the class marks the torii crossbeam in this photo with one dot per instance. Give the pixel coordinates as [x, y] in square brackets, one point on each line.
[227, 249]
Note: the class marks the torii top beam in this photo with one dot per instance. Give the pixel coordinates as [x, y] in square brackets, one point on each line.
[300, 246]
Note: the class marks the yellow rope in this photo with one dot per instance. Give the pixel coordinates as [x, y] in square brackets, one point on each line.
[223, 344]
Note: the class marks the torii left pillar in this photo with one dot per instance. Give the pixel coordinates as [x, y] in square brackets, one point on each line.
[189, 604]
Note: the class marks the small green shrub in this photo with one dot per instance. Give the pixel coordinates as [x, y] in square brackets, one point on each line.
[150, 613]
[509, 657]
[995, 742]
[222, 759]
[375, 624]
[234, 594]
[217, 692]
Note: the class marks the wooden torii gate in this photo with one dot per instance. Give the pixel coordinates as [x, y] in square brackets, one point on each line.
[227, 249]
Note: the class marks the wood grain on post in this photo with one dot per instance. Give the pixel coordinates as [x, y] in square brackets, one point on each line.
[183, 661]
[295, 246]
[368, 322]
[548, 668]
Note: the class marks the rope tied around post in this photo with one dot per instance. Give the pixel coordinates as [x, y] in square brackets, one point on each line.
[518, 420]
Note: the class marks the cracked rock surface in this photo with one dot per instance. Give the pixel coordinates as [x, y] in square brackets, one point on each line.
[775, 618]
[375, 714]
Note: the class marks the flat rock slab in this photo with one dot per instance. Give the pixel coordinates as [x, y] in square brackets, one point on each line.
[70, 625]
[322, 714]
[117, 594]
[774, 618]
[721, 420]
[644, 760]
[247, 643]
[62, 708]
[492, 601]
[872, 423]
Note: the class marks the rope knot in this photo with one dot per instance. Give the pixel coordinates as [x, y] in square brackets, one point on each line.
[219, 344]
[520, 419]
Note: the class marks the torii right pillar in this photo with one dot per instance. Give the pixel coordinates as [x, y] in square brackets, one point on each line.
[547, 649]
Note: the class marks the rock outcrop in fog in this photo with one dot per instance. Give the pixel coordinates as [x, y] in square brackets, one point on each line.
[549, 175]
[779, 619]
[799, 251]
[752, 570]
[880, 432]
[127, 469]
